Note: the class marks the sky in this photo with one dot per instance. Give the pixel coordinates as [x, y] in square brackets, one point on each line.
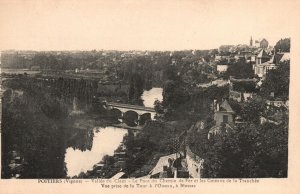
[142, 24]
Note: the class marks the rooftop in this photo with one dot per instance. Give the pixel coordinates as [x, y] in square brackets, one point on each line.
[262, 54]
[225, 106]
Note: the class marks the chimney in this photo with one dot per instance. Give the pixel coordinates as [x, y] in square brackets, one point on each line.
[215, 105]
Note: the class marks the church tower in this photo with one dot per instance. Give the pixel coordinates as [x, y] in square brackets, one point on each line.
[251, 41]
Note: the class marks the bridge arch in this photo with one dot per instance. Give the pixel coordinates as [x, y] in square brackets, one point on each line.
[131, 118]
[116, 113]
[144, 118]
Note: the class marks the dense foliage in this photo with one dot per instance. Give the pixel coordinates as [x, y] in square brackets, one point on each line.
[283, 45]
[32, 125]
[37, 126]
[277, 82]
[136, 87]
[248, 151]
[240, 69]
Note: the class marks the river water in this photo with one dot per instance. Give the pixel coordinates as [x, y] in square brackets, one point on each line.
[150, 96]
[105, 142]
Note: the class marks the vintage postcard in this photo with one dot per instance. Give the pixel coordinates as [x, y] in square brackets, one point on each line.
[197, 96]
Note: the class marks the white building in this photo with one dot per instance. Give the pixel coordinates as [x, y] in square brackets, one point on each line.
[262, 67]
[222, 68]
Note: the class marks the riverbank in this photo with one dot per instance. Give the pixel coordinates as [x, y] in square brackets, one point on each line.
[124, 126]
[92, 120]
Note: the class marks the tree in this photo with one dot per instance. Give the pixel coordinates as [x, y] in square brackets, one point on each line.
[222, 159]
[170, 73]
[108, 160]
[136, 87]
[248, 151]
[252, 110]
[158, 107]
[35, 133]
[174, 94]
[277, 81]
[283, 45]
[240, 69]
[215, 92]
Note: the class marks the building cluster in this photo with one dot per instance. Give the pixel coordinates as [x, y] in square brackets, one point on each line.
[226, 117]
[264, 62]
[259, 54]
[262, 59]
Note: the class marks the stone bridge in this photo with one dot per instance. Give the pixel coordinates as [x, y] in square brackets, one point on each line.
[140, 110]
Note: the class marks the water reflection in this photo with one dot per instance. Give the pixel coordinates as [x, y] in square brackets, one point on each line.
[82, 140]
[150, 96]
[104, 143]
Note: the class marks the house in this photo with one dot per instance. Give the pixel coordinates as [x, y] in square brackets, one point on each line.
[262, 57]
[243, 55]
[223, 118]
[263, 43]
[262, 67]
[223, 113]
[222, 67]
[254, 54]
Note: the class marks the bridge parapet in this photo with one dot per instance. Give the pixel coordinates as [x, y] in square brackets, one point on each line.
[140, 110]
[131, 107]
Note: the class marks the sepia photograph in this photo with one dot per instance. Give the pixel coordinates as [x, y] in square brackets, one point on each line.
[145, 89]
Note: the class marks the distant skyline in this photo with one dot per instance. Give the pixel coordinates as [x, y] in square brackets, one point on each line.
[142, 24]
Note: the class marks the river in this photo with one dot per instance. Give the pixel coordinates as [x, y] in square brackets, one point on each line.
[150, 96]
[105, 142]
